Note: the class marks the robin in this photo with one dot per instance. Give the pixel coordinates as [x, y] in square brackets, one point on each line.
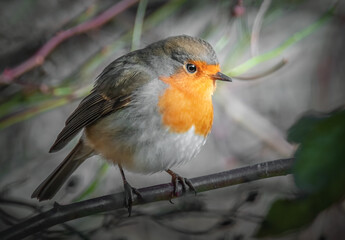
[149, 110]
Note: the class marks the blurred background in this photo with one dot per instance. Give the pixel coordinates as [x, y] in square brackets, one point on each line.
[285, 57]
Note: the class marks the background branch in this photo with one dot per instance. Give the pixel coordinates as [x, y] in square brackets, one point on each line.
[36, 60]
[63, 213]
[264, 73]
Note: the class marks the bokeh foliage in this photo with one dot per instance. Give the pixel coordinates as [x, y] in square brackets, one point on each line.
[318, 172]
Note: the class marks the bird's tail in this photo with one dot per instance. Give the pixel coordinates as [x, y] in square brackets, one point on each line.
[49, 187]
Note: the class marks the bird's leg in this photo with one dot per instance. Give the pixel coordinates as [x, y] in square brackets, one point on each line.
[175, 178]
[129, 190]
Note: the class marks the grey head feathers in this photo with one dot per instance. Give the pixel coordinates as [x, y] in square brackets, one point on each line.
[186, 48]
[158, 59]
[166, 56]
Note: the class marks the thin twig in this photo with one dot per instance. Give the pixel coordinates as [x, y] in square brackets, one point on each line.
[63, 213]
[264, 73]
[6, 201]
[255, 123]
[257, 27]
[7, 218]
[9, 75]
[244, 67]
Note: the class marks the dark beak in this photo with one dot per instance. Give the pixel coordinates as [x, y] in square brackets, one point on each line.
[222, 77]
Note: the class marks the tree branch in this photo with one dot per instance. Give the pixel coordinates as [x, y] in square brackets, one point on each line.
[36, 60]
[63, 213]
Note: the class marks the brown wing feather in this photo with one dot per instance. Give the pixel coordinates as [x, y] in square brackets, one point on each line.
[111, 92]
[90, 109]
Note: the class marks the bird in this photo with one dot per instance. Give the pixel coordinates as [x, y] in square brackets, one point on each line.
[149, 111]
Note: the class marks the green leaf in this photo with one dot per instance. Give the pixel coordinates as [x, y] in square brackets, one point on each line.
[320, 159]
[304, 126]
[138, 25]
[318, 171]
[285, 215]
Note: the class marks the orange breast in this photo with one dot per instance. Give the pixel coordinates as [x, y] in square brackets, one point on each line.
[187, 101]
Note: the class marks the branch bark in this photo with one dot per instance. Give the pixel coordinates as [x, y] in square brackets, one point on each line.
[9, 75]
[63, 213]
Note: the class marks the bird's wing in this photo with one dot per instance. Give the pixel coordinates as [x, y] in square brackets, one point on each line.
[112, 91]
[91, 108]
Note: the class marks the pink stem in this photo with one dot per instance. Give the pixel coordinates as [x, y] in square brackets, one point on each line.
[36, 60]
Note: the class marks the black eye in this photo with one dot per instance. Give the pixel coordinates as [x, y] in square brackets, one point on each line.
[191, 68]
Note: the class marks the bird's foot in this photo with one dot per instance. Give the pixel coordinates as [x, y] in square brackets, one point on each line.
[185, 182]
[129, 196]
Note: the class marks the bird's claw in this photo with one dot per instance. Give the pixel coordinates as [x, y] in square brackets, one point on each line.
[185, 182]
[129, 196]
